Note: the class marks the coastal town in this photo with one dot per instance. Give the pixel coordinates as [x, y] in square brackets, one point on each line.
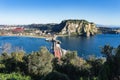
[22, 31]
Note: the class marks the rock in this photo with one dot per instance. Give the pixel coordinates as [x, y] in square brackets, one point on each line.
[78, 27]
[69, 27]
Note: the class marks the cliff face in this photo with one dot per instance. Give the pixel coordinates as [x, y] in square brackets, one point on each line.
[78, 27]
[70, 27]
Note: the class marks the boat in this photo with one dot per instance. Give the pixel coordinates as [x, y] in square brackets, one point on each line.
[48, 39]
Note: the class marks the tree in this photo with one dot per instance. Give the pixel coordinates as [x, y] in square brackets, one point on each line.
[71, 65]
[96, 65]
[6, 47]
[18, 56]
[111, 68]
[15, 62]
[107, 51]
[117, 63]
[55, 76]
[118, 51]
[39, 63]
[14, 76]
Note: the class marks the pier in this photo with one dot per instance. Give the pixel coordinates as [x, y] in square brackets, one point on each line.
[56, 48]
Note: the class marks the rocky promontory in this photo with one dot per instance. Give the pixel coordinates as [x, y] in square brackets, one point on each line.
[69, 27]
[77, 27]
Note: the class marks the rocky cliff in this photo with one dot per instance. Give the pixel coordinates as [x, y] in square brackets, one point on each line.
[70, 27]
[77, 27]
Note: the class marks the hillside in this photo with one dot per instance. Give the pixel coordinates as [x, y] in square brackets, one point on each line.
[76, 27]
[69, 27]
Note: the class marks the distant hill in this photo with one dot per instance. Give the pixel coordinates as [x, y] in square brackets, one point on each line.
[69, 27]
[109, 26]
[72, 27]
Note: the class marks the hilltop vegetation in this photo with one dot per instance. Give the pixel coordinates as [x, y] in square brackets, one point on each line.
[42, 65]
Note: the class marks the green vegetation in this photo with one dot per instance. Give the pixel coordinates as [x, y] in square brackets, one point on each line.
[13, 76]
[76, 21]
[39, 63]
[42, 65]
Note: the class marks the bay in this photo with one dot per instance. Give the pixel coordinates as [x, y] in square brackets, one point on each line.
[86, 46]
[28, 44]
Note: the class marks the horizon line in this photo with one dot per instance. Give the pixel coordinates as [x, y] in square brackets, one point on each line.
[57, 22]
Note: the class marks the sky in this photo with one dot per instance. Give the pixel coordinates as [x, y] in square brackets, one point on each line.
[106, 12]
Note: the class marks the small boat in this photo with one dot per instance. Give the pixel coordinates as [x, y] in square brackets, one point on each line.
[48, 39]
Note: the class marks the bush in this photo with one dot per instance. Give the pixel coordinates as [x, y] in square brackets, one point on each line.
[39, 63]
[55, 76]
[13, 76]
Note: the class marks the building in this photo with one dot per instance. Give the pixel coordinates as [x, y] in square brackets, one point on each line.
[18, 30]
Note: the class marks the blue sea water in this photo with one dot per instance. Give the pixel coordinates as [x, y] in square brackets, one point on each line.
[86, 46]
[28, 44]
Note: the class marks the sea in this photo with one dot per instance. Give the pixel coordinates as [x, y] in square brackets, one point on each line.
[85, 46]
[89, 46]
[26, 44]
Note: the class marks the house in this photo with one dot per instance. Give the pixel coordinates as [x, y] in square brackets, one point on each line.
[18, 30]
